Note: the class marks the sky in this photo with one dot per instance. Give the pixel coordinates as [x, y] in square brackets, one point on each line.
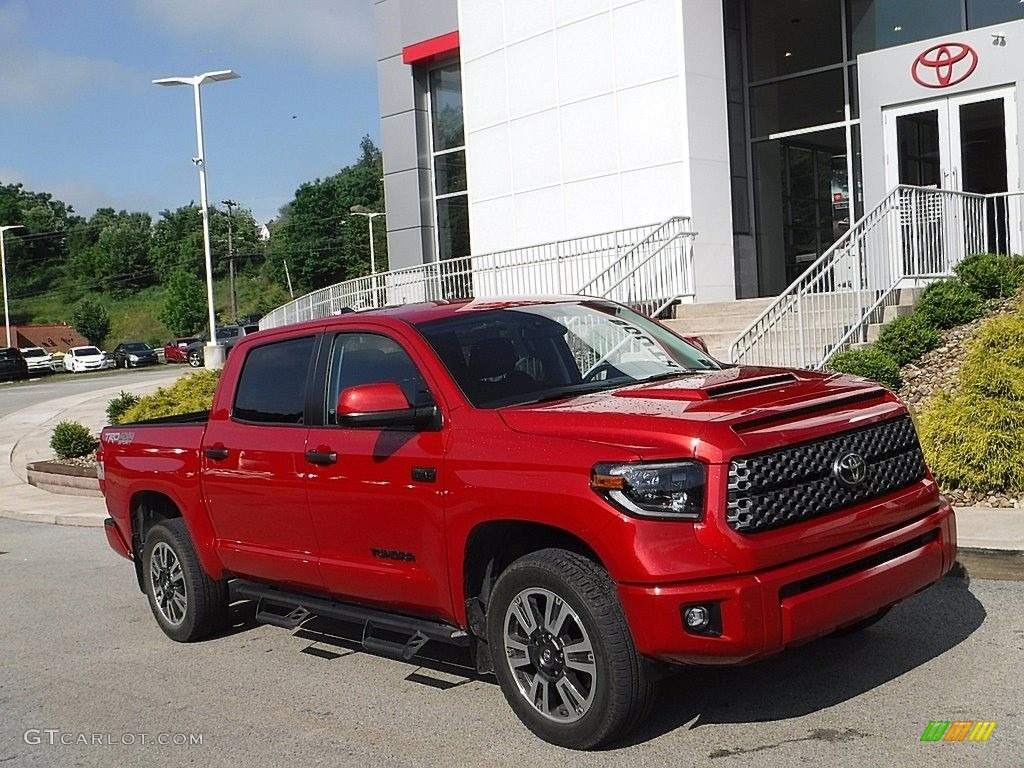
[81, 119]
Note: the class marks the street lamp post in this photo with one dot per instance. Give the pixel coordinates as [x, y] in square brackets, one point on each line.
[362, 210]
[3, 268]
[213, 353]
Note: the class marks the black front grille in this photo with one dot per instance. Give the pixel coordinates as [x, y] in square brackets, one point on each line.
[797, 483]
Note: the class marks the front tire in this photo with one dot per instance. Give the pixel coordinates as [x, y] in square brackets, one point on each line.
[563, 653]
[187, 604]
[195, 358]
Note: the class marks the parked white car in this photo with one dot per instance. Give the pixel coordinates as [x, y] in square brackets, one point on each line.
[38, 359]
[80, 359]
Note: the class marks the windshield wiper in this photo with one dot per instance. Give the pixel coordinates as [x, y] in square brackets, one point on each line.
[573, 390]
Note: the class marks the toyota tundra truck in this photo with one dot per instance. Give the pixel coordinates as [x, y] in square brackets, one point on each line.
[567, 488]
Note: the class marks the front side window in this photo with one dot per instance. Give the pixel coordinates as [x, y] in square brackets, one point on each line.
[369, 358]
[529, 353]
[272, 385]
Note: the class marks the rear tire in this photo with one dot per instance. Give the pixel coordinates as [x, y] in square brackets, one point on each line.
[187, 604]
[563, 653]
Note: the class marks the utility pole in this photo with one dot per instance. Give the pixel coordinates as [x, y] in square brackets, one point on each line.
[231, 261]
[288, 277]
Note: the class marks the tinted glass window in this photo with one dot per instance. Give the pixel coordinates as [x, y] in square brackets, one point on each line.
[793, 35]
[368, 358]
[34, 352]
[981, 13]
[7, 353]
[84, 351]
[524, 354]
[802, 102]
[884, 23]
[272, 386]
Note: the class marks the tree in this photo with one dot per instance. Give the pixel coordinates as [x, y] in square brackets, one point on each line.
[91, 320]
[111, 252]
[184, 309]
[322, 242]
[178, 240]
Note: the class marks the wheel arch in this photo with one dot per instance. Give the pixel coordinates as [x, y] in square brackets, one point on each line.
[493, 545]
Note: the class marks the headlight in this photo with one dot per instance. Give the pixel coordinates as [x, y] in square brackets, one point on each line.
[670, 490]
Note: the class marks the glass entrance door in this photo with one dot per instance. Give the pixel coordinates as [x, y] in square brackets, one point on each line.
[959, 143]
[963, 143]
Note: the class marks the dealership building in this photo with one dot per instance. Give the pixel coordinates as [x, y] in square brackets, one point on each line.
[772, 125]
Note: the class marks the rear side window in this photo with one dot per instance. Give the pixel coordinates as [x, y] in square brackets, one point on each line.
[272, 386]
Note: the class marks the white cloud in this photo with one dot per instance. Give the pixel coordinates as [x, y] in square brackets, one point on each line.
[35, 78]
[328, 31]
[84, 196]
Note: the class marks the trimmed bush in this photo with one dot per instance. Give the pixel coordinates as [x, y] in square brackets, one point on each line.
[871, 363]
[192, 392]
[71, 440]
[991, 275]
[118, 405]
[975, 438]
[907, 338]
[949, 302]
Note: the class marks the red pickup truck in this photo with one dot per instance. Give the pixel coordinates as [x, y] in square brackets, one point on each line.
[565, 487]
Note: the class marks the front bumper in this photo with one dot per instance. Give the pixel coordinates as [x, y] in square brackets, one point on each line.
[764, 612]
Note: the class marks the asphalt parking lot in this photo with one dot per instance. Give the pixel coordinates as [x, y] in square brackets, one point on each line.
[85, 664]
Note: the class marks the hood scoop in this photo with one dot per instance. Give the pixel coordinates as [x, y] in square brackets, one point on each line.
[696, 388]
[746, 385]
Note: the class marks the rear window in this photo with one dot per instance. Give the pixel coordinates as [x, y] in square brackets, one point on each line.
[272, 386]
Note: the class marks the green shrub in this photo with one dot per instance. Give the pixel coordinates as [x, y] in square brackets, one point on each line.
[71, 440]
[118, 405]
[192, 392]
[990, 275]
[949, 302]
[974, 442]
[871, 363]
[975, 438]
[907, 338]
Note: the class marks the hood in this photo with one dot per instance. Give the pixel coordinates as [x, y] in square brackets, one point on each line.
[712, 415]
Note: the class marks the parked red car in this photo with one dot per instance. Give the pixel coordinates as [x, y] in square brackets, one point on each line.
[564, 486]
[175, 350]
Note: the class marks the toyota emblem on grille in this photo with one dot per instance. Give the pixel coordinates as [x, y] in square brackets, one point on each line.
[850, 469]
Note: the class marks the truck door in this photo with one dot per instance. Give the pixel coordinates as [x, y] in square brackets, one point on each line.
[377, 506]
[254, 468]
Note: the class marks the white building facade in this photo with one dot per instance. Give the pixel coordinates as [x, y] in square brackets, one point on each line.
[773, 125]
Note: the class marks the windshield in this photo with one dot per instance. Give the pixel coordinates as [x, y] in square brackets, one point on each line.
[136, 346]
[8, 353]
[86, 351]
[546, 351]
[34, 352]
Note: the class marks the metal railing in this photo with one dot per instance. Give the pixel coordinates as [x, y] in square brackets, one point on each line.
[914, 236]
[648, 268]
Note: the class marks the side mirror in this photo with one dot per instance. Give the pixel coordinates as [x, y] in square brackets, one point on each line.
[383, 405]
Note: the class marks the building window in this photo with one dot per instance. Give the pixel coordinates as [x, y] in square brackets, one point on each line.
[448, 162]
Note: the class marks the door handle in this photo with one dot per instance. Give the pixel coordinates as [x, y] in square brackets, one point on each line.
[217, 453]
[321, 457]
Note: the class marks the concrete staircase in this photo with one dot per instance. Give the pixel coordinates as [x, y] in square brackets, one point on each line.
[908, 298]
[717, 322]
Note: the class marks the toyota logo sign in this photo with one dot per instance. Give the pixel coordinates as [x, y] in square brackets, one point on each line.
[850, 469]
[944, 65]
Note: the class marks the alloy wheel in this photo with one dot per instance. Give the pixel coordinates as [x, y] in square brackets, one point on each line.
[550, 654]
[168, 583]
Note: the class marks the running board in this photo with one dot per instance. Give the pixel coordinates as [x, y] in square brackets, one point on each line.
[295, 608]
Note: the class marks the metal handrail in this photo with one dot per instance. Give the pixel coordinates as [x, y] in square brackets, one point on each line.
[655, 260]
[914, 235]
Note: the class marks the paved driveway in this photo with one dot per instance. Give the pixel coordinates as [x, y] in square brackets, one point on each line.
[83, 658]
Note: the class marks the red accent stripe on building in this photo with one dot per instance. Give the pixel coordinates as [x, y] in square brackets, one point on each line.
[429, 49]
